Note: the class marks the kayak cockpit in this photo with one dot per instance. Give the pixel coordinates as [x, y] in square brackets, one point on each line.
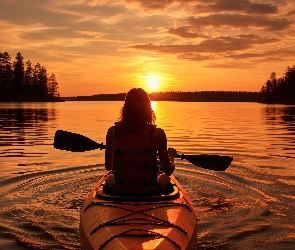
[103, 194]
[138, 221]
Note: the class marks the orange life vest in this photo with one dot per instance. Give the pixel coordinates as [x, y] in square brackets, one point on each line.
[135, 164]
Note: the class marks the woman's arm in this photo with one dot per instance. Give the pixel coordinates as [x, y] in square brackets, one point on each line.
[109, 152]
[167, 163]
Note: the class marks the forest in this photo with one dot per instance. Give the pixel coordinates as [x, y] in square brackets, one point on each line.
[197, 96]
[280, 90]
[23, 81]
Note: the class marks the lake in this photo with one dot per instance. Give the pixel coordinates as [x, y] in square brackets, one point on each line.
[249, 206]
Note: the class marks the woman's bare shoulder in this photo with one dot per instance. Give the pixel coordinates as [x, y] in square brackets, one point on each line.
[159, 133]
[111, 131]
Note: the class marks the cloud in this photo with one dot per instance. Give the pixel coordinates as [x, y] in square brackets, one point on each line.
[184, 32]
[99, 37]
[197, 57]
[291, 13]
[220, 44]
[28, 34]
[238, 21]
[222, 52]
[278, 54]
[230, 65]
[243, 6]
[205, 6]
[152, 4]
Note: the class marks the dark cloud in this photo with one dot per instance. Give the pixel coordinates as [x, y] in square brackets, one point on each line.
[196, 57]
[205, 6]
[212, 45]
[184, 32]
[291, 13]
[239, 21]
[226, 48]
[279, 54]
[244, 6]
[230, 65]
[246, 55]
[242, 60]
[153, 4]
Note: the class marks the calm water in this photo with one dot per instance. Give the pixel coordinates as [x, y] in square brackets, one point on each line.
[250, 206]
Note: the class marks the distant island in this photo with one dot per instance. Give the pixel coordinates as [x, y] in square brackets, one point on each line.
[23, 82]
[197, 96]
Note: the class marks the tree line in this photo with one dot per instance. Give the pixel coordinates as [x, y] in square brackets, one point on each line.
[197, 96]
[206, 96]
[280, 90]
[23, 81]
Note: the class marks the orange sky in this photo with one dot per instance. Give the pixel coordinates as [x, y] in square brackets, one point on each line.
[110, 46]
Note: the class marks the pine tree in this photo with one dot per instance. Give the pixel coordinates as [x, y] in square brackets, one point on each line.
[19, 75]
[53, 86]
[29, 78]
[6, 75]
[280, 90]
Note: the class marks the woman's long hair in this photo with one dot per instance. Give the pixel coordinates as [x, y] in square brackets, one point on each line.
[137, 111]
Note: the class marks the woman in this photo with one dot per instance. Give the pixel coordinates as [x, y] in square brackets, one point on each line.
[132, 146]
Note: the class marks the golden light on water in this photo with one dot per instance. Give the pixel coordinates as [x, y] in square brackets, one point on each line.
[154, 105]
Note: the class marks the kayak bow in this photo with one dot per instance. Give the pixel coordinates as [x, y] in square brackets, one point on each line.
[142, 222]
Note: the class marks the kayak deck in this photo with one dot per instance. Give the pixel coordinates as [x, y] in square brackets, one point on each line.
[152, 222]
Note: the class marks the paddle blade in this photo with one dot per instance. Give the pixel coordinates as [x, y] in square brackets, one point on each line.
[73, 142]
[212, 162]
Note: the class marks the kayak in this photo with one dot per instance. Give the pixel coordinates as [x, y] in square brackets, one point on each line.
[138, 222]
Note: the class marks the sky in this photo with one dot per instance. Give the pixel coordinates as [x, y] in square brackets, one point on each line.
[111, 46]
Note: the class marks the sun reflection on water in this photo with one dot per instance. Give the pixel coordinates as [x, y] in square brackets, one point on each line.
[154, 105]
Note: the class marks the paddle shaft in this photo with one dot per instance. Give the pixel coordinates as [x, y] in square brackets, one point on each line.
[74, 142]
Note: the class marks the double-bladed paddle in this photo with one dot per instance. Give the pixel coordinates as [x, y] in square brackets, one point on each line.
[74, 142]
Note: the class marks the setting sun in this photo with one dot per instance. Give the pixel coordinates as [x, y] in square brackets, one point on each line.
[153, 81]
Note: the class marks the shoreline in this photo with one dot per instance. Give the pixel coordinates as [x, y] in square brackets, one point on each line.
[28, 101]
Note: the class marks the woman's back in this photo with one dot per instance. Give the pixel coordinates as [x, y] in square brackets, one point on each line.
[135, 163]
[132, 145]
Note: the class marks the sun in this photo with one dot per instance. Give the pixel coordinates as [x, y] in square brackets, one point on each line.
[153, 81]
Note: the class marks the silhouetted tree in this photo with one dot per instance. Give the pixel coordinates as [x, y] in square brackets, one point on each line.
[29, 78]
[23, 82]
[19, 75]
[197, 96]
[290, 83]
[53, 86]
[40, 80]
[6, 74]
[280, 90]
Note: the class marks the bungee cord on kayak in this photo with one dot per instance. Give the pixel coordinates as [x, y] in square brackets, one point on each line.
[119, 221]
[144, 233]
